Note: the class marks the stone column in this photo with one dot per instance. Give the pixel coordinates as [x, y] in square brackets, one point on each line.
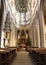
[37, 36]
[1, 15]
[15, 36]
[33, 36]
[41, 27]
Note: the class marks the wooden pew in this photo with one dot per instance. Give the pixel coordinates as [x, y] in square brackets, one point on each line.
[3, 57]
[8, 53]
[38, 50]
[39, 54]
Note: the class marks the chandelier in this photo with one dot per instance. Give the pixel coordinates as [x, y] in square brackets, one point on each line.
[7, 26]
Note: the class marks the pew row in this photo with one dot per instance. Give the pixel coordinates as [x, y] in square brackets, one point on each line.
[39, 54]
[7, 55]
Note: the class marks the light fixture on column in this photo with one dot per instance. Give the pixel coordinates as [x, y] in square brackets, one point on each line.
[7, 30]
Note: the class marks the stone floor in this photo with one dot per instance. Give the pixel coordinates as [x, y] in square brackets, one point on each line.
[22, 58]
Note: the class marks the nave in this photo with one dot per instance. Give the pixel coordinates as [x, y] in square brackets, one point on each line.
[22, 25]
[22, 58]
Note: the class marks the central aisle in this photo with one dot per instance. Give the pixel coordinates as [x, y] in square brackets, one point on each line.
[22, 58]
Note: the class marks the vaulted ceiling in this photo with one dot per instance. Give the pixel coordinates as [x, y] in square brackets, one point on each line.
[14, 6]
[23, 10]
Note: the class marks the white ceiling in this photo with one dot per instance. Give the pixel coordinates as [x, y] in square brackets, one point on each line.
[33, 6]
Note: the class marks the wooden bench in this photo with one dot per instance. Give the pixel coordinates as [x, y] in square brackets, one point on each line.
[7, 55]
[38, 54]
[3, 57]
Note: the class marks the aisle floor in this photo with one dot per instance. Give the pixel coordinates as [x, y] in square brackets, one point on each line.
[22, 58]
